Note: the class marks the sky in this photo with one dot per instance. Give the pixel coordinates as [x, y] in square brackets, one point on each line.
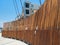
[7, 10]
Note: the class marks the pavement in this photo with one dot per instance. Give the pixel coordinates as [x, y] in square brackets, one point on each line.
[7, 41]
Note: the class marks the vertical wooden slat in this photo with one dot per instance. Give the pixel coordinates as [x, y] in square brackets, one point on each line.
[55, 38]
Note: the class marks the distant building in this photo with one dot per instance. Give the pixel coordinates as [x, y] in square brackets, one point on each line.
[29, 8]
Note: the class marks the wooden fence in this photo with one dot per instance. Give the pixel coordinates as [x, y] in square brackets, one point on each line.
[38, 37]
[47, 22]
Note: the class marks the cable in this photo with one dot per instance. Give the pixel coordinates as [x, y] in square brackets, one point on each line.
[21, 4]
[14, 6]
[17, 7]
[40, 2]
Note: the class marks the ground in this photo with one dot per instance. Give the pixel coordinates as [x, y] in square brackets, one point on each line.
[7, 41]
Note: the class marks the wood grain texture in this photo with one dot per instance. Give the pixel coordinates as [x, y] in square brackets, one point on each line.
[46, 19]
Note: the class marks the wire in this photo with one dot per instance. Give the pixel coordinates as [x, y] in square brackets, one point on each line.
[17, 7]
[14, 6]
[40, 2]
[21, 4]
